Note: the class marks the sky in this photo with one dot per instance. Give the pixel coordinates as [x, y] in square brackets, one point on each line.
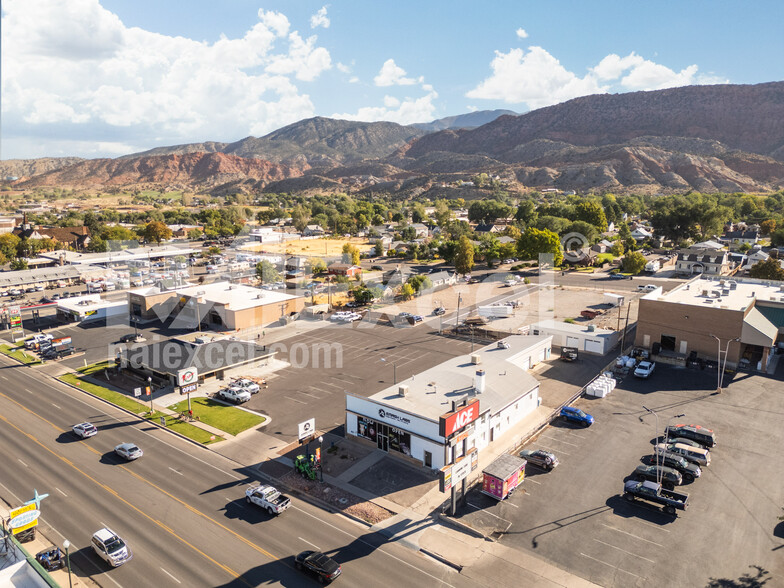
[104, 78]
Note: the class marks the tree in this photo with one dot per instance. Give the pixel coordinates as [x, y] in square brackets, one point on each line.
[744, 247]
[556, 224]
[18, 263]
[407, 291]
[617, 249]
[526, 212]
[8, 244]
[535, 242]
[489, 248]
[585, 229]
[768, 226]
[770, 269]
[464, 256]
[350, 254]
[776, 238]
[300, 217]
[266, 272]
[97, 245]
[442, 213]
[418, 214]
[487, 211]
[194, 234]
[625, 236]
[156, 231]
[420, 283]
[378, 248]
[317, 265]
[592, 213]
[633, 263]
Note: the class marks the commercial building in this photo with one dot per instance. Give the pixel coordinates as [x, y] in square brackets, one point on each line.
[586, 338]
[91, 307]
[705, 315]
[404, 419]
[117, 258]
[218, 305]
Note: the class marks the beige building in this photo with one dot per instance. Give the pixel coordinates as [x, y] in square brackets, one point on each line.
[707, 258]
[744, 317]
[220, 305]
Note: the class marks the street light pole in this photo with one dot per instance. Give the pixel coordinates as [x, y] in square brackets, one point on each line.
[149, 386]
[394, 369]
[66, 545]
[719, 366]
[655, 449]
[457, 317]
[321, 459]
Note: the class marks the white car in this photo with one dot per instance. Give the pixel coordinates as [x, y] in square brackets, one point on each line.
[85, 430]
[644, 369]
[235, 395]
[110, 547]
[128, 451]
[247, 385]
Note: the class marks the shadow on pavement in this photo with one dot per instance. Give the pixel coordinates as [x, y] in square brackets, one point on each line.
[638, 509]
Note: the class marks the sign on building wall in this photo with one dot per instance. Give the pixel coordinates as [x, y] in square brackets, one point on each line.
[452, 422]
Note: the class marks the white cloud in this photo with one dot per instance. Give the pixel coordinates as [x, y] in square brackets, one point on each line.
[320, 19]
[538, 79]
[353, 80]
[343, 68]
[393, 75]
[521, 33]
[404, 112]
[76, 75]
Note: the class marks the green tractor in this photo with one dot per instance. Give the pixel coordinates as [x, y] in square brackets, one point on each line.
[305, 466]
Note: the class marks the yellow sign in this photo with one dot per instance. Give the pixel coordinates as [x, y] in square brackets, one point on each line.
[17, 530]
[21, 509]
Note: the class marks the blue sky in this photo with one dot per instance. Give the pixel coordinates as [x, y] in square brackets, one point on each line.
[102, 78]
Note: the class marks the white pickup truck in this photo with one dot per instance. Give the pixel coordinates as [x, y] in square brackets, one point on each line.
[268, 498]
[37, 340]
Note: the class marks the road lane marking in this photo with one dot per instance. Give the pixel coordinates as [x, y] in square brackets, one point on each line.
[61, 492]
[138, 510]
[172, 577]
[23, 463]
[57, 407]
[175, 471]
[632, 535]
[610, 565]
[623, 550]
[3, 377]
[309, 543]
[28, 391]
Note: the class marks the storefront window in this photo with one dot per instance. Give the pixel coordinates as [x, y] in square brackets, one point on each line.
[400, 441]
[366, 428]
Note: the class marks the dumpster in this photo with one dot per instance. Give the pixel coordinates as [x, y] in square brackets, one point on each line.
[502, 476]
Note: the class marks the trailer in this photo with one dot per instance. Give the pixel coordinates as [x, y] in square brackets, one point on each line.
[501, 477]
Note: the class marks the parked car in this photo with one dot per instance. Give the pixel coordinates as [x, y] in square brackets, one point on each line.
[132, 338]
[247, 385]
[683, 441]
[57, 352]
[540, 457]
[235, 395]
[653, 492]
[669, 476]
[646, 288]
[51, 559]
[575, 415]
[644, 369]
[110, 547]
[694, 455]
[323, 567]
[706, 437]
[85, 430]
[439, 311]
[689, 471]
[128, 451]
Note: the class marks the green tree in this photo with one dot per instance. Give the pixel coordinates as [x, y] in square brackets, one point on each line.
[442, 213]
[418, 214]
[317, 265]
[770, 269]
[488, 211]
[194, 234]
[592, 213]
[351, 254]
[776, 238]
[18, 263]
[97, 245]
[768, 226]
[9, 244]
[556, 224]
[526, 212]
[464, 256]
[300, 217]
[156, 231]
[378, 248]
[625, 236]
[489, 248]
[420, 283]
[617, 249]
[266, 272]
[633, 263]
[744, 247]
[534, 242]
[407, 291]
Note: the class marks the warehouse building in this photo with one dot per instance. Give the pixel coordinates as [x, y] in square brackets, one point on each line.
[404, 419]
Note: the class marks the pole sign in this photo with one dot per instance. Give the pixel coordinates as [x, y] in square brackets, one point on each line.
[24, 518]
[453, 474]
[306, 429]
[188, 388]
[451, 422]
[187, 376]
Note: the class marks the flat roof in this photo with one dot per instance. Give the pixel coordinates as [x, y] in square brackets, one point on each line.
[721, 294]
[76, 258]
[574, 328]
[88, 302]
[167, 357]
[232, 296]
[430, 393]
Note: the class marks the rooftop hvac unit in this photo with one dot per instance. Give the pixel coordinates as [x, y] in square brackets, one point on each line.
[476, 359]
[709, 301]
[591, 328]
[725, 292]
[402, 390]
[705, 293]
[733, 285]
[781, 288]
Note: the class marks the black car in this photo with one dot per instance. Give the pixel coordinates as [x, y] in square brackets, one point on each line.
[439, 311]
[318, 564]
[689, 471]
[57, 352]
[539, 457]
[131, 338]
[669, 476]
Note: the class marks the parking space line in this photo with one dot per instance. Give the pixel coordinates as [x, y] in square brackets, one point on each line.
[23, 463]
[533, 481]
[295, 400]
[559, 441]
[491, 514]
[610, 565]
[657, 527]
[175, 471]
[311, 395]
[632, 535]
[3, 377]
[623, 550]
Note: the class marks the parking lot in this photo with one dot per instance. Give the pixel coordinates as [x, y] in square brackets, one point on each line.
[576, 517]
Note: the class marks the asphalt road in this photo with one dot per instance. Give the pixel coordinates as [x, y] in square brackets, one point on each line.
[180, 507]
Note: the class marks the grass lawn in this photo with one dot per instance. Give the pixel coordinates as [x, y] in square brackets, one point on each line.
[134, 406]
[19, 353]
[226, 418]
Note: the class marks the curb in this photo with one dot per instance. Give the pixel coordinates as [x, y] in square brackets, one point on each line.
[442, 559]
[465, 528]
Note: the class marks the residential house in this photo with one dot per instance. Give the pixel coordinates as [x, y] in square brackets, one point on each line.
[442, 279]
[486, 228]
[344, 269]
[602, 246]
[313, 231]
[181, 231]
[741, 236]
[76, 238]
[582, 257]
[709, 258]
[421, 230]
[641, 234]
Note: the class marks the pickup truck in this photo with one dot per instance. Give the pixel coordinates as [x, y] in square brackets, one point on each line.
[653, 492]
[267, 498]
[37, 340]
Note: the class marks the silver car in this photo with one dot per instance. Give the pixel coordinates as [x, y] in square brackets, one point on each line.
[128, 451]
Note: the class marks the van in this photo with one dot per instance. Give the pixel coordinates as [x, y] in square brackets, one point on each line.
[692, 454]
[696, 433]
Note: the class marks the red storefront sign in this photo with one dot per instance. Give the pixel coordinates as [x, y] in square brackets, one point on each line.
[452, 422]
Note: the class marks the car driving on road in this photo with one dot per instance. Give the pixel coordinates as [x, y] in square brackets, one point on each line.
[128, 451]
[85, 430]
[110, 547]
[317, 564]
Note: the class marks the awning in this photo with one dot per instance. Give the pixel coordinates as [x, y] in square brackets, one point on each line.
[758, 330]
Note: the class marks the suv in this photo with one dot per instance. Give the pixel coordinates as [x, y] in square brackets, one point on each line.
[540, 457]
[689, 471]
[703, 436]
[669, 476]
[233, 394]
[247, 385]
[575, 415]
[110, 547]
[439, 311]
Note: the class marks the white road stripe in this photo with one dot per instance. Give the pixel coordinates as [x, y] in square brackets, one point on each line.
[172, 577]
[61, 492]
[175, 471]
[28, 391]
[57, 407]
[623, 550]
[294, 399]
[3, 377]
[633, 535]
[23, 463]
[533, 481]
[309, 543]
[491, 514]
[610, 565]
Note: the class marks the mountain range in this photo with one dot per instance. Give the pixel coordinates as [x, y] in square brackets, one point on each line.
[726, 138]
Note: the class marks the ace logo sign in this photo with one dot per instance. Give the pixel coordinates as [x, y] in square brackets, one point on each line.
[452, 422]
